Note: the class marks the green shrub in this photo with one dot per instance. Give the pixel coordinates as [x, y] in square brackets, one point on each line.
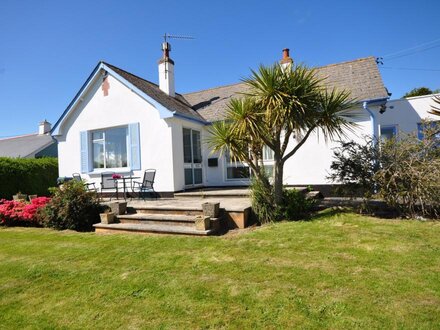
[403, 171]
[296, 205]
[354, 167]
[29, 176]
[409, 177]
[72, 207]
[263, 202]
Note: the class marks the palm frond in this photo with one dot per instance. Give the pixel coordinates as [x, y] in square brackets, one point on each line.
[335, 114]
[435, 110]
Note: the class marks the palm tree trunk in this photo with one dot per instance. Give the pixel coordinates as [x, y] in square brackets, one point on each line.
[278, 179]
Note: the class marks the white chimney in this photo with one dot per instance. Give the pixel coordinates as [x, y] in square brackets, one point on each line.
[44, 127]
[286, 61]
[166, 71]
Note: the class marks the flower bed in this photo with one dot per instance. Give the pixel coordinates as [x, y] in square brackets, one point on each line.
[20, 213]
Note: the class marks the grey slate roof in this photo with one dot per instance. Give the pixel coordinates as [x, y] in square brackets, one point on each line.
[177, 104]
[25, 145]
[361, 77]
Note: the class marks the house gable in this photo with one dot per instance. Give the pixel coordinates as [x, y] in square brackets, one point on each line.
[164, 104]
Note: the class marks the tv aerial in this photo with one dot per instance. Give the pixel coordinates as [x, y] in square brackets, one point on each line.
[171, 36]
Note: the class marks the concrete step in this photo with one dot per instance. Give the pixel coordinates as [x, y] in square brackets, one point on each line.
[125, 228]
[163, 219]
[186, 211]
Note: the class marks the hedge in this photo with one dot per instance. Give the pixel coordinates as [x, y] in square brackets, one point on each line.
[27, 175]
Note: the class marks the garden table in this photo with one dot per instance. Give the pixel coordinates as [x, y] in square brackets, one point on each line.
[124, 180]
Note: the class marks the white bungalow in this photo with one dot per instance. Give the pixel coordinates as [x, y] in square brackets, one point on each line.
[122, 123]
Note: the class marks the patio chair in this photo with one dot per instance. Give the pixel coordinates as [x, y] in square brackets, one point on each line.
[147, 184]
[90, 186]
[108, 183]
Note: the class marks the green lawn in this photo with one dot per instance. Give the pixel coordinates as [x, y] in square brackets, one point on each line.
[337, 271]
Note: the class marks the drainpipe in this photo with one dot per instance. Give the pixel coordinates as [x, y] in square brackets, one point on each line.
[373, 122]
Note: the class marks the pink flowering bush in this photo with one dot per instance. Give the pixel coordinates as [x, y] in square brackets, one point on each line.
[20, 213]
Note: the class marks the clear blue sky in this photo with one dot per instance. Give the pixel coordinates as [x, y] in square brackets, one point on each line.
[48, 48]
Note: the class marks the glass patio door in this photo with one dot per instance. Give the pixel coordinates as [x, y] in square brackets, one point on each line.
[192, 157]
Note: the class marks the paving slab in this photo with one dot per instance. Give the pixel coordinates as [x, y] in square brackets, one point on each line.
[229, 204]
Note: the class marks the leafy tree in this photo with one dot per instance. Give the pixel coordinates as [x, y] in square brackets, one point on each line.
[354, 167]
[280, 104]
[418, 91]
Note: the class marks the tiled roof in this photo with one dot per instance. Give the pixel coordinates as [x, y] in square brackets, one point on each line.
[177, 104]
[25, 145]
[212, 103]
[361, 77]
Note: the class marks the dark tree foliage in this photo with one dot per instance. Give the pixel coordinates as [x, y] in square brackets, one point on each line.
[354, 166]
[418, 91]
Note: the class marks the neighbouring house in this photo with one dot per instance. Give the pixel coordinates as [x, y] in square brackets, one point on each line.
[120, 122]
[36, 145]
[406, 115]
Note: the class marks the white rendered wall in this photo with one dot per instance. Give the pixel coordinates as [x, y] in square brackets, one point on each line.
[406, 113]
[310, 164]
[120, 107]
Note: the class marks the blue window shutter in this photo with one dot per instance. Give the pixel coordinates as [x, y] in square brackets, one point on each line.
[135, 150]
[84, 138]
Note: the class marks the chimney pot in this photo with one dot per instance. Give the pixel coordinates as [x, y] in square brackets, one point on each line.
[286, 62]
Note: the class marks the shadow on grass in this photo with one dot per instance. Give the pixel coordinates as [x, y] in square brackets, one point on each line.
[329, 212]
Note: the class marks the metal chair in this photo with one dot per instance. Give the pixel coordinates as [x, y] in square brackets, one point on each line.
[90, 186]
[147, 184]
[108, 183]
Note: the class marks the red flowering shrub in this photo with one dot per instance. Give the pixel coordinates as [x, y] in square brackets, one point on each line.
[20, 213]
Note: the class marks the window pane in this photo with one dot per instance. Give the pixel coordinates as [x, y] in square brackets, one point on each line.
[97, 135]
[387, 133]
[238, 172]
[198, 176]
[188, 176]
[269, 170]
[197, 149]
[98, 155]
[267, 153]
[187, 158]
[116, 147]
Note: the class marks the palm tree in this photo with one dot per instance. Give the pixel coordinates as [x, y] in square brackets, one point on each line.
[277, 105]
[435, 110]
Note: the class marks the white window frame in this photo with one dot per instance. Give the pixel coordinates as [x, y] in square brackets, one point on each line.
[229, 163]
[105, 168]
[395, 128]
[265, 162]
